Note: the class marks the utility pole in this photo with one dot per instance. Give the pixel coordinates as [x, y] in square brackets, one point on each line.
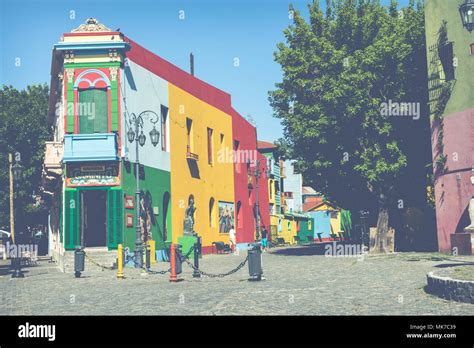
[12, 216]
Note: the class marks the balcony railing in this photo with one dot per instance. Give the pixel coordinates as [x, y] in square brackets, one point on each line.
[53, 155]
[190, 155]
[90, 147]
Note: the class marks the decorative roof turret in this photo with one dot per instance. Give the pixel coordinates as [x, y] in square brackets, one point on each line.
[91, 25]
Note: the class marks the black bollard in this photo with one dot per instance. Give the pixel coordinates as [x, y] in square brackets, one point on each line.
[255, 262]
[79, 260]
[196, 274]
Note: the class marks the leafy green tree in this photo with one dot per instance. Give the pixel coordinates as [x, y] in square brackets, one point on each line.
[338, 70]
[23, 129]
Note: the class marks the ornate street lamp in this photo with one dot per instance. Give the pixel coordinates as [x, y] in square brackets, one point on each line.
[154, 136]
[257, 173]
[142, 138]
[17, 174]
[130, 134]
[467, 14]
[139, 139]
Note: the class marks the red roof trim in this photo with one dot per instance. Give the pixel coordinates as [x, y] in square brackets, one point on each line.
[178, 77]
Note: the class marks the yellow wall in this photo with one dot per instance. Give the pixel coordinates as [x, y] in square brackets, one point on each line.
[336, 224]
[287, 234]
[216, 180]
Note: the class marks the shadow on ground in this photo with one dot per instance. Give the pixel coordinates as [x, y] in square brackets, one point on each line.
[459, 263]
[6, 269]
[302, 250]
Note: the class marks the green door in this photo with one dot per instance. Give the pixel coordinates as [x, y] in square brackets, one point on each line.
[114, 217]
[92, 111]
[71, 219]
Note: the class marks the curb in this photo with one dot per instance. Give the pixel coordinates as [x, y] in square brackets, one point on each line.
[449, 288]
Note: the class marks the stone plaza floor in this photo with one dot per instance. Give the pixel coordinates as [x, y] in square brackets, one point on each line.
[298, 281]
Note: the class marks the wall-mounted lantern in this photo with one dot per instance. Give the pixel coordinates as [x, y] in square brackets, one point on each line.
[467, 14]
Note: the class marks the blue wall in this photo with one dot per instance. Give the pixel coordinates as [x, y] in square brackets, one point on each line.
[322, 223]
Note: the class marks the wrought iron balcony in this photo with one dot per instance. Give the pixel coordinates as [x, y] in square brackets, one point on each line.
[190, 155]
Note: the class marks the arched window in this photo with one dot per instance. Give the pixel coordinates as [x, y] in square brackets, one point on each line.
[212, 214]
[92, 87]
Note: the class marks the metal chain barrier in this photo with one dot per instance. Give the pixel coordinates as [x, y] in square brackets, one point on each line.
[156, 272]
[218, 275]
[186, 256]
[110, 268]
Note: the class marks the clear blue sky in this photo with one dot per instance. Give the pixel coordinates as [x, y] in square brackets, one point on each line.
[216, 31]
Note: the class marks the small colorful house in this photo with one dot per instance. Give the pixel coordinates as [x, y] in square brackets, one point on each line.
[304, 227]
[327, 220]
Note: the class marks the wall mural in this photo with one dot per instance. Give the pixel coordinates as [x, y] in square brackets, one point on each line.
[226, 216]
[147, 217]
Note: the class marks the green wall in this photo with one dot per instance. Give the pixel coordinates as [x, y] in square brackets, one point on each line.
[157, 182]
[306, 229]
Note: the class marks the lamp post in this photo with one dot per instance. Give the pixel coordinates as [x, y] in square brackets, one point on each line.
[140, 139]
[467, 14]
[363, 227]
[257, 173]
[16, 173]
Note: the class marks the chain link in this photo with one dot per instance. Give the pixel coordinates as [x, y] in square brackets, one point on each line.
[156, 272]
[186, 256]
[110, 268]
[218, 275]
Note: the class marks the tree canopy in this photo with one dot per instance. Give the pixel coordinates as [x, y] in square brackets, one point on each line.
[23, 129]
[339, 68]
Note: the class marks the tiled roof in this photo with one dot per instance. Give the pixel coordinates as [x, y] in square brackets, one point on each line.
[262, 145]
[308, 206]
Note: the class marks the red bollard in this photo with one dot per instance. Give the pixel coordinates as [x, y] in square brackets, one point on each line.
[173, 275]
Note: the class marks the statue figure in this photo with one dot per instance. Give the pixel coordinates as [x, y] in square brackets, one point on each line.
[189, 218]
[470, 228]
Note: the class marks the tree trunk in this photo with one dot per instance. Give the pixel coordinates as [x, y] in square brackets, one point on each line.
[382, 231]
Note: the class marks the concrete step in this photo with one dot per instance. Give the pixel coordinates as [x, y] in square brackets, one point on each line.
[93, 260]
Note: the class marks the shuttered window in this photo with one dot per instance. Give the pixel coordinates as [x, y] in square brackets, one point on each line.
[92, 111]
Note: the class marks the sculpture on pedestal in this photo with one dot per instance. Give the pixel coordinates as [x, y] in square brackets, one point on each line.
[189, 217]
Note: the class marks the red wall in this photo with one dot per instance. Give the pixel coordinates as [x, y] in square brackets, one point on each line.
[453, 195]
[246, 134]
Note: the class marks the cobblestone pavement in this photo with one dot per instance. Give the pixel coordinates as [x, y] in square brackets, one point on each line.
[297, 282]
